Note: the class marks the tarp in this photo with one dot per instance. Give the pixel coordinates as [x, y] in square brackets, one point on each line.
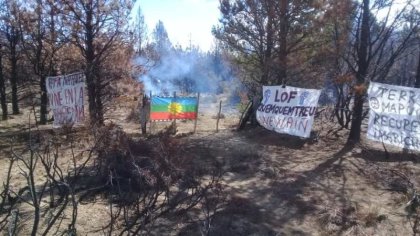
[288, 110]
[66, 98]
[394, 116]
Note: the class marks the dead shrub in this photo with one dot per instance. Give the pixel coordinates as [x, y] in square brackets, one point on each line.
[335, 219]
[351, 219]
[371, 217]
[151, 178]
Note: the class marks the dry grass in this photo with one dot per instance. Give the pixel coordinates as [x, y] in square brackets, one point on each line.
[274, 184]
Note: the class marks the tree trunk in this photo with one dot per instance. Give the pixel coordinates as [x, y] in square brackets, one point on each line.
[417, 83]
[356, 123]
[256, 101]
[99, 104]
[2, 92]
[14, 79]
[40, 67]
[362, 62]
[90, 74]
[91, 96]
[44, 101]
[144, 113]
[267, 61]
[281, 79]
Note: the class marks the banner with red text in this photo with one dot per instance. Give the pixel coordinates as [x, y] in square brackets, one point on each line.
[394, 115]
[288, 110]
[66, 98]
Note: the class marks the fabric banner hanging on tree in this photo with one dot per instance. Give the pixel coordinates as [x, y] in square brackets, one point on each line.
[171, 108]
[66, 98]
[394, 115]
[288, 110]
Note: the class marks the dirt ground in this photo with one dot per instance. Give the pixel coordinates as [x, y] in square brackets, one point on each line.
[274, 184]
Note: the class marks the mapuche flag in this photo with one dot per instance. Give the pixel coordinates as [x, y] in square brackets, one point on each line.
[170, 108]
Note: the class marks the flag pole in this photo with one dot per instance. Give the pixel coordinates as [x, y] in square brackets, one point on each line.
[174, 121]
[218, 116]
[150, 112]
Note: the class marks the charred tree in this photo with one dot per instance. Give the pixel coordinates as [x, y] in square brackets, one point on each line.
[13, 38]
[376, 46]
[2, 88]
[283, 42]
[10, 14]
[361, 73]
[266, 61]
[417, 83]
[96, 31]
[39, 66]
[41, 45]
[91, 70]
[144, 113]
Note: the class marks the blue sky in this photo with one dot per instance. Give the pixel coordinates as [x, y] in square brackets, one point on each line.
[183, 18]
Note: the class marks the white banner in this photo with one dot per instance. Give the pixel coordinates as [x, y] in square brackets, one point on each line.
[66, 98]
[288, 110]
[394, 116]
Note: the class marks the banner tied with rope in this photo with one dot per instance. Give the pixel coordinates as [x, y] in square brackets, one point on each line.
[288, 109]
[394, 115]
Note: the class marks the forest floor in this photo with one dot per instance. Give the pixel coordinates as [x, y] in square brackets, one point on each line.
[274, 184]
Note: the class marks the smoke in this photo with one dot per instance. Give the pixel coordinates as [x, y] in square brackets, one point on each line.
[186, 72]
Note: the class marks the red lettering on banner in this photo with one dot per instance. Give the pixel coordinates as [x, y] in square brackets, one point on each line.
[57, 99]
[66, 95]
[285, 122]
[81, 95]
[69, 94]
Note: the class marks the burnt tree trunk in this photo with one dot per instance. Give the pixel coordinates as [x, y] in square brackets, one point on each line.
[283, 42]
[98, 101]
[44, 101]
[91, 93]
[40, 66]
[91, 70]
[2, 90]
[14, 76]
[40, 70]
[362, 62]
[144, 113]
[417, 83]
[266, 62]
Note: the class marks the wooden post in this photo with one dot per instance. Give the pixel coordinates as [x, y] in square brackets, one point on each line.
[196, 114]
[218, 117]
[174, 121]
[150, 112]
[144, 114]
